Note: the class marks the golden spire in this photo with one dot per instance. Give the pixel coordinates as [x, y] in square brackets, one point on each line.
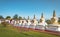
[42, 15]
[34, 16]
[54, 14]
[42, 18]
[28, 18]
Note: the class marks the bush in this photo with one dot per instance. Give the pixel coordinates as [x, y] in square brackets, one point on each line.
[5, 24]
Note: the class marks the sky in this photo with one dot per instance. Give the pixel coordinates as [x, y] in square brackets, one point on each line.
[26, 8]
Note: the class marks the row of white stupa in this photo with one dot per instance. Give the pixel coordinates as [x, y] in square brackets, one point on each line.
[30, 23]
[42, 25]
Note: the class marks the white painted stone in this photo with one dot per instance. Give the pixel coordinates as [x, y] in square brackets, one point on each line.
[59, 29]
[27, 25]
[52, 27]
[32, 26]
[41, 26]
[23, 24]
[7, 21]
[20, 24]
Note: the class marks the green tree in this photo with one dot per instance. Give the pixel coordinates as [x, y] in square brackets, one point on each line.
[1, 17]
[8, 17]
[59, 20]
[5, 24]
[48, 21]
[15, 17]
[20, 18]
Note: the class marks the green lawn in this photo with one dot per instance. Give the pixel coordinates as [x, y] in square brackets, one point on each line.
[13, 32]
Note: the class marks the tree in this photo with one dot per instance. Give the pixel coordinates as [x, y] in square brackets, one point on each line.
[20, 18]
[8, 17]
[15, 17]
[5, 24]
[1, 17]
[48, 21]
[59, 20]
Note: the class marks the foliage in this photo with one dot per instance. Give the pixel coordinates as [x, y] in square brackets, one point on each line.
[48, 21]
[1, 17]
[59, 20]
[5, 24]
[20, 18]
[8, 17]
[15, 16]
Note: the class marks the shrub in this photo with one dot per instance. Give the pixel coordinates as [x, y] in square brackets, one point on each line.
[5, 24]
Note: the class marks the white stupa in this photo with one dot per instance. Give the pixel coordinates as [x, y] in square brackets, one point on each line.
[23, 22]
[54, 26]
[16, 22]
[20, 23]
[28, 23]
[13, 22]
[34, 23]
[54, 19]
[42, 23]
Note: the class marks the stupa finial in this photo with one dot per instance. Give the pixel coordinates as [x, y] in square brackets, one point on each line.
[42, 15]
[54, 14]
[34, 16]
[28, 18]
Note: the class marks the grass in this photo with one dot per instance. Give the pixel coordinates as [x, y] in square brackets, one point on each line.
[13, 32]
